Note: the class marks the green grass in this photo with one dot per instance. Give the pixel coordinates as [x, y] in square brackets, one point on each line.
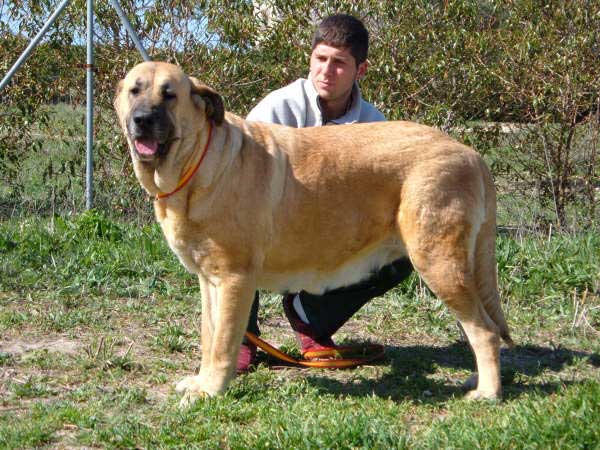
[48, 173]
[98, 320]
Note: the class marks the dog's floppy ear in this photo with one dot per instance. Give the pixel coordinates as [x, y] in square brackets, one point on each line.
[213, 101]
[118, 92]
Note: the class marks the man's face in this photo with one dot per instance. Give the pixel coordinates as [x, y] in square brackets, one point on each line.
[333, 71]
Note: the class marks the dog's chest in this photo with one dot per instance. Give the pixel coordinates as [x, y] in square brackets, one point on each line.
[179, 237]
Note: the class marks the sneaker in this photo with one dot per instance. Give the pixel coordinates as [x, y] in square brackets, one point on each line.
[307, 338]
[246, 358]
[314, 347]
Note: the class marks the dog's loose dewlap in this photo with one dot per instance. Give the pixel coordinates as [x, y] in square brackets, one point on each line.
[247, 205]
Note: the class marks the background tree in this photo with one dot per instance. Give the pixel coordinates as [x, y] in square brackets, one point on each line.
[517, 80]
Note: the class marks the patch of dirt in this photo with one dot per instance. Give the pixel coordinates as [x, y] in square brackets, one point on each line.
[59, 344]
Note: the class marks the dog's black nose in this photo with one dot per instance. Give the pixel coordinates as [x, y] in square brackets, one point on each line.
[144, 118]
[150, 123]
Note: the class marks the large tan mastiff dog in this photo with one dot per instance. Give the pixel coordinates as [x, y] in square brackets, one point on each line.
[248, 205]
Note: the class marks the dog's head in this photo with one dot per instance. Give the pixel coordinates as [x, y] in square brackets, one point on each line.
[162, 112]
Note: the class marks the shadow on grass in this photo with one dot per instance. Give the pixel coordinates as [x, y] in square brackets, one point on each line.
[417, 372]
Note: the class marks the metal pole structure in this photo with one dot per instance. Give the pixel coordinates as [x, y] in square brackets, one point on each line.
[89, 173]
[132, 34]
[32, 44]
[89, 190]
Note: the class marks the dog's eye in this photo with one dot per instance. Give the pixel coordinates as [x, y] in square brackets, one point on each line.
[169, 95]
[134, 90]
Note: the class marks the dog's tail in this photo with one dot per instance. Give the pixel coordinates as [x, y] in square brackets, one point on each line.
[486, 274]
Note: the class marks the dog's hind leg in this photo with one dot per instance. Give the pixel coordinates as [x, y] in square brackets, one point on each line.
[442, 251]
[454, 283]
[483, 335]
[225, 311]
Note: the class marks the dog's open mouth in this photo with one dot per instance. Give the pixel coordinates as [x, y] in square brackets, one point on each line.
[146, 147]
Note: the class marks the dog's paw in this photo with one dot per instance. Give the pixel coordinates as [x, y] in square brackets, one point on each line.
[191, 397]
[473, 393]
[192, 390]
[187, 383]
[483, 395]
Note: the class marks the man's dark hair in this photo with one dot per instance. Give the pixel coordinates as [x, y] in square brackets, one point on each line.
[344, 31]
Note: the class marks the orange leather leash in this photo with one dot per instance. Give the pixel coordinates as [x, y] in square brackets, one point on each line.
[188, 175]
[341, 363]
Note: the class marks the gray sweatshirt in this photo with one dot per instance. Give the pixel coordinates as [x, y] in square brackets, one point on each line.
[297, 105]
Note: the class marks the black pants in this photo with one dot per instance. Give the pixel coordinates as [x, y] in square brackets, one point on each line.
[328, 312]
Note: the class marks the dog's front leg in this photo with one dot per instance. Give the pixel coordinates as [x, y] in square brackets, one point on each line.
[209, 295]
[226, 307]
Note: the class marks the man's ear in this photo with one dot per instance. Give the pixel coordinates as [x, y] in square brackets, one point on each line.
[202, 94]
[362, 70]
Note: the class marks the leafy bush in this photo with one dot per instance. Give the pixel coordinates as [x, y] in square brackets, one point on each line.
[518, 80]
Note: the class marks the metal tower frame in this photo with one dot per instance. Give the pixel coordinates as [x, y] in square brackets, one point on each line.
[89, 66]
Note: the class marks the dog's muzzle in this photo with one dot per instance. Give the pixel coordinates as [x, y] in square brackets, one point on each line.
[151, 131]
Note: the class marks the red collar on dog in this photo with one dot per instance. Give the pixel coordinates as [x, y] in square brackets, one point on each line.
[189, 174]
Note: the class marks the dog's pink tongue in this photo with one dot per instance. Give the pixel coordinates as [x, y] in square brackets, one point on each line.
[146, 147]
